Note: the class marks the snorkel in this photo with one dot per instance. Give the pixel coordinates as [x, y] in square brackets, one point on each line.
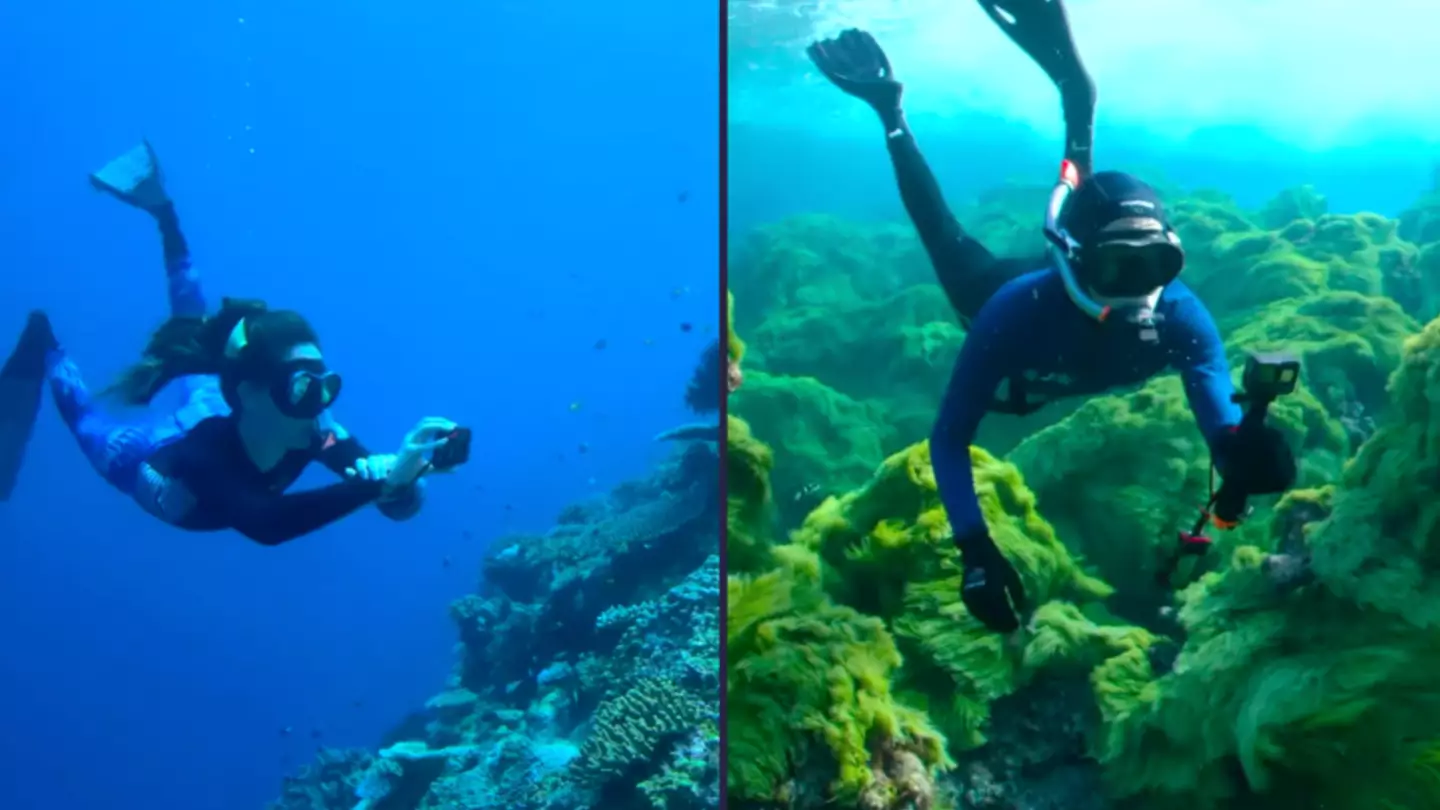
[1065, 251]
[1063, 248]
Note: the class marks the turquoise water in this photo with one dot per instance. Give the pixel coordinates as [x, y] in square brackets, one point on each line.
[1250, 97]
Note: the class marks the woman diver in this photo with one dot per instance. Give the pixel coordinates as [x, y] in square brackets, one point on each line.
[254, 394]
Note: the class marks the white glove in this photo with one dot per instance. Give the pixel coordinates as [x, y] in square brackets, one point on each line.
[373, 468]
[413, 460]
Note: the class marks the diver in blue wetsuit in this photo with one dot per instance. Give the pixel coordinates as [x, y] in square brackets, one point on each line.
[1103, 310]
[254, 396]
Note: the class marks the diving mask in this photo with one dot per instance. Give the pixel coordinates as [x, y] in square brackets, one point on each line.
[304, 389]
[1114, 251]
[1128, 269]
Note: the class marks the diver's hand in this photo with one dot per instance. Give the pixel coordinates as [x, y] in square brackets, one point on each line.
[413, 460]
[991, 589]
[854, 62]
[373, 468]
[1256, 461]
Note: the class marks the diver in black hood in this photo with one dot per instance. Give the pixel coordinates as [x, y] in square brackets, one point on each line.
[1102, 311]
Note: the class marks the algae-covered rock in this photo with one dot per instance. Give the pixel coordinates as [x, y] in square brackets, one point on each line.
[1420, 223]
[1349, 345]
[1298, 672]
[1123, 474]
[828, 442]
[749, 507]
[815, 260]
[1293, 204]
[889, 553]
[884, 538]
[809, 683]
[898, 349]
[1313, 696]
[868, 590]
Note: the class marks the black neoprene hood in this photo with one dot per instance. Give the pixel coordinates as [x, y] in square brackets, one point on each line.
[1108, 197]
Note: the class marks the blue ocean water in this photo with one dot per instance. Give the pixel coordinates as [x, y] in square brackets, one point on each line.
[1247, 97]
[465, 199]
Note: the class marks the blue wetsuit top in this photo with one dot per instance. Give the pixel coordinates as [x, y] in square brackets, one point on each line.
[208, 483]
[1026, 335]
[1031, 338]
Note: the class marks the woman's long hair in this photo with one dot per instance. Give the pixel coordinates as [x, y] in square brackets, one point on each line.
[186, 345]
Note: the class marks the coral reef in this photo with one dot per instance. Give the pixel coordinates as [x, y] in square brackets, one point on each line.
[1293, 670]
[587, 672]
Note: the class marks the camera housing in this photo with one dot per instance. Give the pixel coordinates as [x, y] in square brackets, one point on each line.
[1270, 375]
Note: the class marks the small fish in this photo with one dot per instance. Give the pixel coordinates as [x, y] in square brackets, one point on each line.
[679, 292]
[601, 344]
[466, 534]
[649, 341]
[575, 407]
[509, 508]
[682, 196]
[687, 326]
[357, 703]
[286, 731]
[806, 491]
[583, 448]
[445, 563]
[316, 734]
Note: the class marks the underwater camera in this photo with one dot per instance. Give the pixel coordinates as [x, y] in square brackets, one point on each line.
[1270, 375]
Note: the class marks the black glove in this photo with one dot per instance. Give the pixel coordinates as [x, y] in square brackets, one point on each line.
[855, 63]
[991, 589]
[1256, 461]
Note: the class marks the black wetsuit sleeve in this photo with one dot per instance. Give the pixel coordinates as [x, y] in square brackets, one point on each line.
[345, 453]
[967, 271]
[271, 519]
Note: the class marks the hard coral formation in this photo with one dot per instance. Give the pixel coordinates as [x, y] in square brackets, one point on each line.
[1295, 673]
[587, 673]
[629, 728]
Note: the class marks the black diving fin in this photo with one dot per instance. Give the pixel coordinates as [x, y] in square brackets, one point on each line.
[22, 383]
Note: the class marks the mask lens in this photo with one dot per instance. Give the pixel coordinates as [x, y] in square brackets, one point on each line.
[299, 386]
[329, 388]
[305, 394]
[1131, 271]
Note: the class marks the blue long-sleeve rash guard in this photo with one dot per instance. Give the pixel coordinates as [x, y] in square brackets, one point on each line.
[1031, 336]
[1024, 331]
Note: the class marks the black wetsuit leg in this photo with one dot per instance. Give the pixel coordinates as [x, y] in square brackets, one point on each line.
[967, 271]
